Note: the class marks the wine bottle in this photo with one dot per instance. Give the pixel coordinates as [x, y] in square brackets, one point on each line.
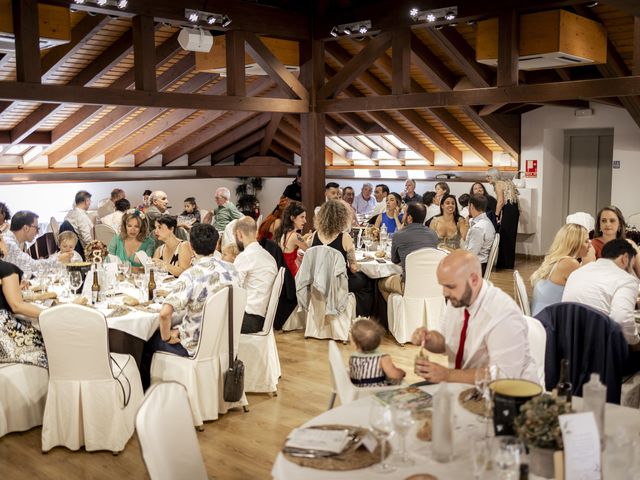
[95, 288]
[564, 386]
[152, 285]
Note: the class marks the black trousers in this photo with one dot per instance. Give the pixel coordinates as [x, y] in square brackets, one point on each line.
[363, 288]
[508, 233]
[156, 344]
[252, 323]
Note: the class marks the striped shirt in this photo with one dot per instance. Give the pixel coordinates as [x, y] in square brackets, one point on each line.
[365, 369]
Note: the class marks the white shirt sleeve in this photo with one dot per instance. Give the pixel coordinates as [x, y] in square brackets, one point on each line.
[623, 306]
[242, 265]
[474, 240]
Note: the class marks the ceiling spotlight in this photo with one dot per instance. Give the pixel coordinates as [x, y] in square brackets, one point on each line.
[449, 16]
[439, 27]
[347, 31]
[102, 3]
[226, 21]
[431, 17]
[79, 2]
[363, 29]
[413, 13]
[122, 4]
[592, 4]
[211, 20]
[334, 32]
[193, 17]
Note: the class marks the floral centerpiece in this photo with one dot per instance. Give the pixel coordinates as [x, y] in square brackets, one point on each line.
[96, 252]
[538, 426]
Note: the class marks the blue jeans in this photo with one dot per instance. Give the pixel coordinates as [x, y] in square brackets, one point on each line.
[156, 344]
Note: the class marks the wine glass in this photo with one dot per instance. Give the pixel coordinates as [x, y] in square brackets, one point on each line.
[123, 269]
[507, 455]
[480, 454]
[482, 380]
[75, 280]
[402, 421]
[382, 426]
[367, 239]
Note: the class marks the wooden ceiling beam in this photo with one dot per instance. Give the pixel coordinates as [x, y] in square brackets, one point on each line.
[281, 152]
[107, 60]
[164, 52]
[287, 143]
[236, 82]
[246, 15]
[36, 138]
[356, 65]
[110, 96]
[140, 121]
[463, 54]
[144, 65]
[242, 170]
[245, 143]
[115, 116]
[290, 131]
[536, 93]
[336, 148]
[636, 45]
[355, 122]
[401, 72]
[27, 42]
[233, 133]
[269, 132]
[358, 146]
[378, 88]
[286, 80]
[431, 65]
[200, 130]
[508, 47]
[385, 145]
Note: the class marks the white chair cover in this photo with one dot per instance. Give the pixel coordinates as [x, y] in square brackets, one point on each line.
[537, 337]
[203, 213]
[423, 302]
[582, 218]
[203, 374]
[317, 323]
[104, 233]
[23, 391]
[521, 293]
[259, 352]
[227, 235]
[168, 441]
[346, 391]
[634, 221]
[54, 226]
[493, 256]
[93, 395]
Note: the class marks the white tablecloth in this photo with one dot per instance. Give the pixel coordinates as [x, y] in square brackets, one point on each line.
[466, 425]
[375, 269]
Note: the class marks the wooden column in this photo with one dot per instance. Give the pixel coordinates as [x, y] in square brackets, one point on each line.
[144, 61]
[508, 42]
[312, 128]
[236, 85]
[401, 61]
[636, 46]
[27, 33]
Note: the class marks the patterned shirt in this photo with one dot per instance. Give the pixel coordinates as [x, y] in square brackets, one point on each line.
[225, 214]
[189, 295]
[23, 260]
[365, 369]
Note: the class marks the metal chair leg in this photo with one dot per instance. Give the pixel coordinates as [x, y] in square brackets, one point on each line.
[332, 400]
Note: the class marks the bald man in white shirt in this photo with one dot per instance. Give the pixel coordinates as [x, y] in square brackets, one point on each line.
[482, 326]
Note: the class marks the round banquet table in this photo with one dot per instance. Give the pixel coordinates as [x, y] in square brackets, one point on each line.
[466, 425]
[374, 269]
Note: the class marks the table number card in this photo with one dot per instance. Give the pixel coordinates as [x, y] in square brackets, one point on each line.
[582, 457]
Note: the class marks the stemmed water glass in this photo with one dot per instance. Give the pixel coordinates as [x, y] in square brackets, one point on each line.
[75, 280]
[381, 421]
[367, 239]
[482, 380]
[123, 269]
[402, 421]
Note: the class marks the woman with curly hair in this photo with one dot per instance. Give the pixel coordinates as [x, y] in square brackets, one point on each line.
[570, 250]
[132, 238]
[332, 220]
[288, 236]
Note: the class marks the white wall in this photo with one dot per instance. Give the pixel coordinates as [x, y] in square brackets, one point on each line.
[55, 199]
[542, 139]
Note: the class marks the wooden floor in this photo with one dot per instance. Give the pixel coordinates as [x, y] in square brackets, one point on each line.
[238, 445]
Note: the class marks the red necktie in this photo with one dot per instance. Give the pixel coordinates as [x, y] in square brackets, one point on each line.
[463, 338]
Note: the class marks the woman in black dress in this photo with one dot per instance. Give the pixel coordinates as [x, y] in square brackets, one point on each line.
[332, 220]
[20, 341]
[507, 214]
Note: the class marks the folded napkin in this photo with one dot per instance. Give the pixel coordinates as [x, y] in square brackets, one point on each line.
[333, 441]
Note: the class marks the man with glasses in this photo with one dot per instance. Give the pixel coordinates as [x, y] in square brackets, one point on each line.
[23, 230]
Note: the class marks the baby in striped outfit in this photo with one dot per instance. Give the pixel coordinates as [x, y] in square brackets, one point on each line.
[367, 366]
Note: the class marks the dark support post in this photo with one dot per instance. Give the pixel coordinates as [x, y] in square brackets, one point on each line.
[312, 126]
[27, 33]
[144, 46]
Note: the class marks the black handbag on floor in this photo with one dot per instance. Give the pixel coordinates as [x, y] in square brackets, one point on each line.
[234, 376]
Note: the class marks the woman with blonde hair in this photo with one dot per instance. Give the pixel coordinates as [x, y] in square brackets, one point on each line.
[570, 249]
[507, 215]
[332, 220]
[132, 238]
